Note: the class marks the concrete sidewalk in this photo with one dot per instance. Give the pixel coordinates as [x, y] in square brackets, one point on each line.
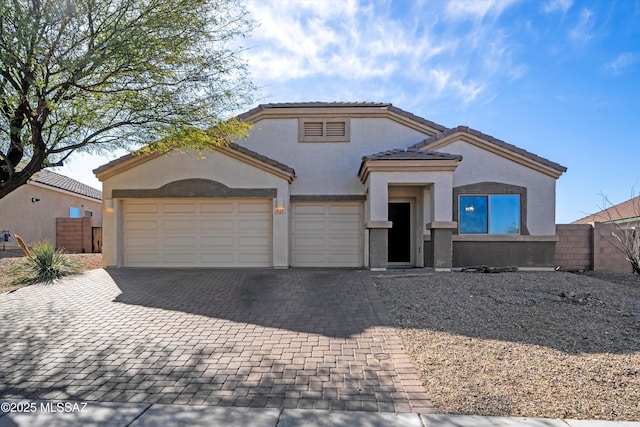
[37, 413]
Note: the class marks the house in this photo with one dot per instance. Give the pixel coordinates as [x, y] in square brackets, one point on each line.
[31, 210]
[334, 185]
[625, 215]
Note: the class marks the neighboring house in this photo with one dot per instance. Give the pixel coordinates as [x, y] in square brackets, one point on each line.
[625, 215]
[334, 185]
[31, 210]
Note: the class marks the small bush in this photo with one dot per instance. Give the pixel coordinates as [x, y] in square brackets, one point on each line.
[45, 264]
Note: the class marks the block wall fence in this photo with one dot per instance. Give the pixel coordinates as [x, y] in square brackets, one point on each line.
[589, 247]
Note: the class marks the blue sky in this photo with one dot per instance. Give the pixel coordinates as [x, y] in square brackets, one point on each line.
[559, 78]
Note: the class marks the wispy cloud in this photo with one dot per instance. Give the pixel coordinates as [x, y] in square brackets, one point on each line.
[581, 33]
[476, 9]
[557, 6]
[621, 63]
[369, 45]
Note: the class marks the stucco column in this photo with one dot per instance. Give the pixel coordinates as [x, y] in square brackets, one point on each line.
[378, 221]
[110, 215]
[442, 225]
[442, 198]
[281, 229]
[441, 247]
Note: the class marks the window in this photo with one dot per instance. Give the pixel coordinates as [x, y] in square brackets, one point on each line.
[88, 213]
[323, 130]
[74, 212]
[492, 214]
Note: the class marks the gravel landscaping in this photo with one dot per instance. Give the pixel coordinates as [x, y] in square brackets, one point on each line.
[11, 256]
[531, 344]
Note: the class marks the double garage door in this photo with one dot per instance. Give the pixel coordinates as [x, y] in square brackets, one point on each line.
[238, 233]
[201, 233]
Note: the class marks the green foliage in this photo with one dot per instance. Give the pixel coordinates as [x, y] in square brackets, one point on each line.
[94, 75]
[45, 264]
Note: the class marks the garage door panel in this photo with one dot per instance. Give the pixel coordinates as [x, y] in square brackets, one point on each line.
[177, 243]
[222, 242]
[253, 258]
[307, 243]
[309, 225]
[254, 207]
[216, 208]
[141, 208]
[254, 241]
[252, 226]
[216, 224]
[343, 244]
[142, 242]
[309, 209]
[351, 227]
[304, 259]
[344, 210]
[178, 208]
[143, 225]
[327, 234]
[217, 259]
[143, 259]
[178, 226]
[182, 259]
[184, 233]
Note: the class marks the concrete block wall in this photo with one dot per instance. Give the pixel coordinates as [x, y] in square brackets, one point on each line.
[574, 249]
[74, 234]
[606, 256]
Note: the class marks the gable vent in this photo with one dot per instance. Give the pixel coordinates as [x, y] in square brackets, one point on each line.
[313, 129]
[324, 129]
[336, 129]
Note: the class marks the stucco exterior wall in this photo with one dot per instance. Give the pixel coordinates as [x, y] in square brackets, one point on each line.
[479, 165]
[35, 222]
[328, 167]
[179, 166]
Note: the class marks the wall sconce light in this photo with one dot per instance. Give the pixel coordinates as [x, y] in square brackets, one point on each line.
[279, 206]
[469, 208]
[108, 205]
[34, 200]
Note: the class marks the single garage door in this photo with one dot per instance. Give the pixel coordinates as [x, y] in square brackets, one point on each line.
[327, 234]
[197, 233]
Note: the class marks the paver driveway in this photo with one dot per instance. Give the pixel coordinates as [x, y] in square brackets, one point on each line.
[276, 338]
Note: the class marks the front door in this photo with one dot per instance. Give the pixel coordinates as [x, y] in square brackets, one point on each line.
[399, 241]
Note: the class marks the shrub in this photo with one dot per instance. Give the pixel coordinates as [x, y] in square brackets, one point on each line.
[44, 263]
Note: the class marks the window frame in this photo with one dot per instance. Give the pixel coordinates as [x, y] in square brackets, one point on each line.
[488, 214]
[324, 138]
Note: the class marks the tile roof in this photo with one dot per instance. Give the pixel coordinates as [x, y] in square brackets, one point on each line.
[411, 154]
[383, 105]
[262, 158]
[492, 140]
[232, 146]
[624, 210]
[55, 180]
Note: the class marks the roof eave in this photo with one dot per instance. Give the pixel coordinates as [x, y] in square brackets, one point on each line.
[351, 110]
[405, 165]
[494, 145]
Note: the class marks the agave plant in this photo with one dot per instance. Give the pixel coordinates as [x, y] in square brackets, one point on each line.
[44, 263]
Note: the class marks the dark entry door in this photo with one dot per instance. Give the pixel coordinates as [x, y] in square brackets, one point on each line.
[400, 232]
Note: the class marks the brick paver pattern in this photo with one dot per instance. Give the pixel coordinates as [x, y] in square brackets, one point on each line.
[298, 338]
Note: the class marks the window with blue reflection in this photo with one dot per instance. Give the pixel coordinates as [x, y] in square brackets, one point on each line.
[74, 212]
[473, 215]
[492, 214]
[504, 213]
